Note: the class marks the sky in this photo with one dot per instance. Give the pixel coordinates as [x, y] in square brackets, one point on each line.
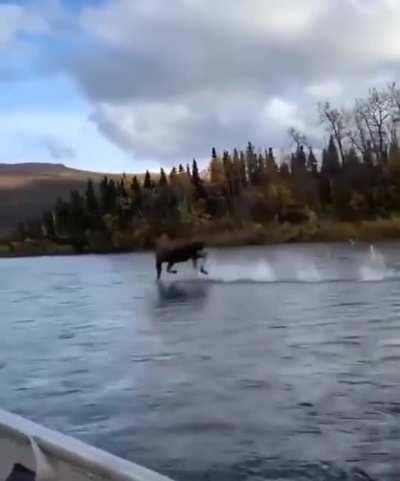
[129, 85]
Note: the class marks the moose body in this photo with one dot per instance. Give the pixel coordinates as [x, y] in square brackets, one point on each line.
[176, 253]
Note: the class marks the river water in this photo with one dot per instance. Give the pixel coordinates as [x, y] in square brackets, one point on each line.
[283, 363]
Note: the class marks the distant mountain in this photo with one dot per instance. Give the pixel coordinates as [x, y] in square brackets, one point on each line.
[28, 189]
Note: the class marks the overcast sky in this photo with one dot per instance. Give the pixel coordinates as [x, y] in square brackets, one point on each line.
[125, 85]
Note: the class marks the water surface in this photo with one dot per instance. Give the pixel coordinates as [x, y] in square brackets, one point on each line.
[283, 364]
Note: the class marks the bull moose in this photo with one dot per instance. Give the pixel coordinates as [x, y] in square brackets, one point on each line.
[174, 253]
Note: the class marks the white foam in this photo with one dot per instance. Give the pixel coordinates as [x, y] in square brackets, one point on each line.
[374, 267]
[253, 271]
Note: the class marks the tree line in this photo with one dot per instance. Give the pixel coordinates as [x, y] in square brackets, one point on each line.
[356, 177]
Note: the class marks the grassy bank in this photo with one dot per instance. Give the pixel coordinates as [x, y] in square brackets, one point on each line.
[224, 235]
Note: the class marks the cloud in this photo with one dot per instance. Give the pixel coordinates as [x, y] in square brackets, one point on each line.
[57, 149]
[15, 20]
[168, 80]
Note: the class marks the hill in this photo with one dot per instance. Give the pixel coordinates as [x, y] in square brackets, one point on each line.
[28, 189]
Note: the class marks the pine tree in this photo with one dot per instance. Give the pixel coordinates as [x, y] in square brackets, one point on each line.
[251, 160]
[181, 169]
[104, 194]
[261, 169]
[243, 170]
[136, 190]
[49, 224]
[163, 178]
[228, 173]
[172, 175]
[301, 158]
[92, 204]
[271, 166]
[121, 192]
[217, 171]
[77, 214]
[236, 173]
[312, 164]
[330, 160]
[112, 195]
[147, 184]
[195, 174]
[62, 215]
[188, 173]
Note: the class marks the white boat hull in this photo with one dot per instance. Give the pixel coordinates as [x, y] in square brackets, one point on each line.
[56, 457]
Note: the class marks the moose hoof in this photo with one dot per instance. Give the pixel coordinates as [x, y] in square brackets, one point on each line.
[203, 271]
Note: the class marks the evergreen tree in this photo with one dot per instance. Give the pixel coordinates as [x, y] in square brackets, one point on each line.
[195, 174]
[330, 160]
[271, 166]
[92, 204]
[301, 158]
[49, 225]
[163, 178]
[217, 171]
[181, 169]
[251, 160]
[236, 173]
[172, 175]
[62, 215]
[104, 194]
[148, 184]
[261, 169]
[243, 170]
[112, 196]
[121, 191]
[188, 173]
[136, 190]
[312, 164]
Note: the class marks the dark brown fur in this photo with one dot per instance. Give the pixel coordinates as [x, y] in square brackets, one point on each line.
[174, 253]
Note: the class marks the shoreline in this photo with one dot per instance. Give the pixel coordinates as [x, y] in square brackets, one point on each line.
[251, 235]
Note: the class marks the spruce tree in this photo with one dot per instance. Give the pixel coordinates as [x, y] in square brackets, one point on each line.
[136, 189]
[104, 194]
[172, 175]
[271, 166]
[243, 170]
[112, 195]
[251, 160]
[147, 184]
[330, 160]
[195, 174]
[92, 204]
[163, 178]
[49, 224]
[312, 164]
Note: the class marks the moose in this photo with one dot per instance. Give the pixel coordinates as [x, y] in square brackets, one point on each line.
[174, 253]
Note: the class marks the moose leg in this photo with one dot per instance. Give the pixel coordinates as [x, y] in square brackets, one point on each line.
[194, 261]
[169, 268]
[203, 256]
[159, 269]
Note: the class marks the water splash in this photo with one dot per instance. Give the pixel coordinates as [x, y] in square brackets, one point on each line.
[374, 268]
[367, 266]
[307, 272]
[253, 271]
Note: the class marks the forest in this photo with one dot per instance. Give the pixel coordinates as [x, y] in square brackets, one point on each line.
[349, 189]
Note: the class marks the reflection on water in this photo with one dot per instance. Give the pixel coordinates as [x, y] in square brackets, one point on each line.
[281, 364]
[181, 292]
